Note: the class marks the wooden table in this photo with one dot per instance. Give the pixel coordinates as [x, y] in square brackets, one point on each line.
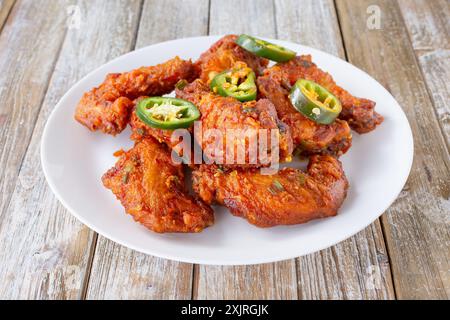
[46, 46]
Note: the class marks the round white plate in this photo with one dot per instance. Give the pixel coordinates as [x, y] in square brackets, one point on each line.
[74, 159]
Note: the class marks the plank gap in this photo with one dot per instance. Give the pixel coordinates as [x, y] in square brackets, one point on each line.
[138, 25]
[209, 17]
[297, 272]
[388, 251]
[338, 20]
[4, 20]
[274, 8]
[87, 277]
[194, 292]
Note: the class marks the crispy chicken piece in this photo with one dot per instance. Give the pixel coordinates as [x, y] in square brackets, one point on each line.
[108, 107]
[140, 130]
[289, 197]
[308, 136]
[151, 188]
[223, 55]
[358, 112]
[224, 113]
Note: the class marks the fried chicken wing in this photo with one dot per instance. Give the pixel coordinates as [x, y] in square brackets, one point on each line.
[108, 107]
[151, 188]
[358, 112]
[223, 55]
[289, 197]
[140, 130]
[226, 113]
[308, 136]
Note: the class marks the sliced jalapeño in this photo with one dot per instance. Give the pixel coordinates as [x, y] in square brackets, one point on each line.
[167, 113]
[265, 49]
[315, 102]
[238, 82]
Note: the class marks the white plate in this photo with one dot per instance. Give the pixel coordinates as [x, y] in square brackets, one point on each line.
[74, 159]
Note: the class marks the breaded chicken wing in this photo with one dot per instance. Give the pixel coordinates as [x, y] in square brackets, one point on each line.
[225, 113]
[358, 112]
[141, 130]
[289, 197]
[107, 108]
[223, 55]
[308, 136]
[151, 188]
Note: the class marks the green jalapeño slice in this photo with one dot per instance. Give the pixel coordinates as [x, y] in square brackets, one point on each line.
[238, 82]
[167, 113]
[265, 49]
[315, 102]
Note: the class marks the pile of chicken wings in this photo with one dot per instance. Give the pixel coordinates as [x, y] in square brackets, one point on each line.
[152, 188]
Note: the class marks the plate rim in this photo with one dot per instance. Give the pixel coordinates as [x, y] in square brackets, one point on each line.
[200, 260]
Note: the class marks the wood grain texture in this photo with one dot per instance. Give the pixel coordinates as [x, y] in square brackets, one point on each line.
[429, 28]
[311, 23]
[436, 69]
[254, 17]
[267, 281]
[416, 226]
[27, 60]
[357, 268]
[263, 281]
[428, 23]
[168, 20]
[122, 273]
[45, 251]
[119, 272]
[5, 8]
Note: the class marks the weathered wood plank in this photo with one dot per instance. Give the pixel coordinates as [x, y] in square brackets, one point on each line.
[436, 69]
[44, 251]
[417, 228]
[167, 20]
[357, 268]
[122, 273]
[312, 23]
[5, 8]
[428, 25]
[427, 22]
[27, 60]
[262, 281]
[119, 272]
[432, 46]
[252, 17]
[267, 281]
[366, 250]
